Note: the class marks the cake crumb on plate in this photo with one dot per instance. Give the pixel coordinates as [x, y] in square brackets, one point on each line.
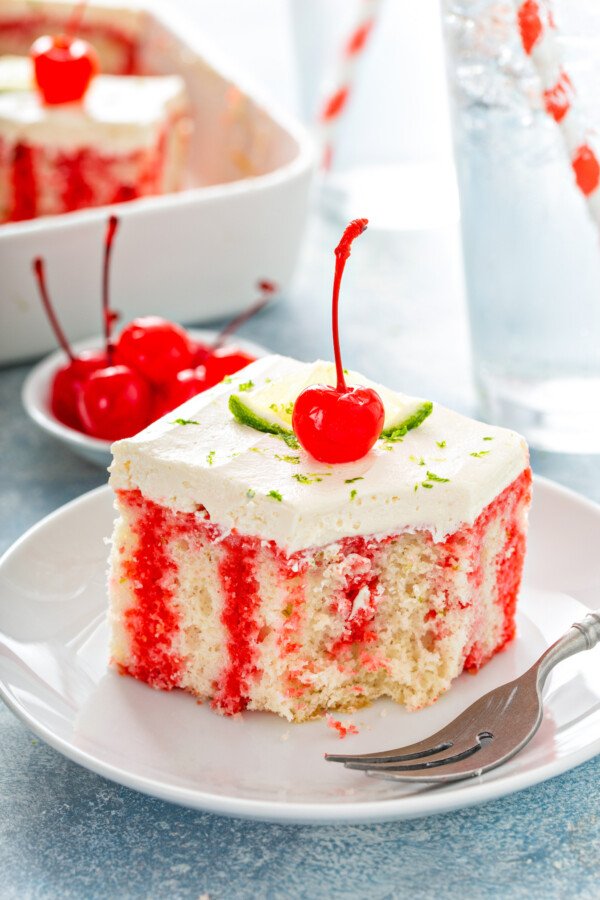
[342, 729]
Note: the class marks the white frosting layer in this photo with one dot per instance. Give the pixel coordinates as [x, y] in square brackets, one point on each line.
[230, 469]
[118, 114]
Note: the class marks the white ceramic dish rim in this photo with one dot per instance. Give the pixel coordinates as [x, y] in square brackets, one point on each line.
[453, 797]
[38, 382]
[304, 159]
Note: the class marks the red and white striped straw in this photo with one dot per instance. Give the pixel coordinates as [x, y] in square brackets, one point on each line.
[538, 36]
[337, 99]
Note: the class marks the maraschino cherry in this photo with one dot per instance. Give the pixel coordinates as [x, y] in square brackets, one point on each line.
[219, 360]
[63, 67]
[156, 348]
[184, 386]
[339, 424]
[64, 64]
[114, 401]
[69, 379]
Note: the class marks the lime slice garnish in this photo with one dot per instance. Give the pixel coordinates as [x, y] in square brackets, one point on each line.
[397, 431]
[246, 416]
[269, 407]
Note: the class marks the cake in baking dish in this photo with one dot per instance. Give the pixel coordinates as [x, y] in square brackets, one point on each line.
[126, 138]
[252, 575]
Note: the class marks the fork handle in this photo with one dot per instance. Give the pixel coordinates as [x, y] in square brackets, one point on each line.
[581, 636]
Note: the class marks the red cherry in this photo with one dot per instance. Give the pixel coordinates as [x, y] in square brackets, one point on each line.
[221, 360]
[160, 405]
[67, 384]
[339, 424]
[186, 384]
[68, 380]
[200, 352]
[114, 403]
[226, 361]
[156, 348]
[63, 67]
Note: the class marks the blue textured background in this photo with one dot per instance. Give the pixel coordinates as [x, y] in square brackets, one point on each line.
[65, 832]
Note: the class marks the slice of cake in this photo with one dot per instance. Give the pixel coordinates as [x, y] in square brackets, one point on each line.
[125, 139]
[252, 575]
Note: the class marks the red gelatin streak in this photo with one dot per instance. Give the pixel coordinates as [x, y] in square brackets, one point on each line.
[242, 601]
[153, 622]
[23, 184]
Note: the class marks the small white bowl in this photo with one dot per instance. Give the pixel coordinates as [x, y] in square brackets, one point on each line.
[36, 392]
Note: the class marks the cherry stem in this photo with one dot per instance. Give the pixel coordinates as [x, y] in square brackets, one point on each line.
[107, 315]
[267, 288]
[342, 252]
[74, 21]
[40, 275]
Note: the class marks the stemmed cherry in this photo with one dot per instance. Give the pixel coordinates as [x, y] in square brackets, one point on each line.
[108, 401]
[64, 64]
[339, 424]
[211, 363]
[220, 360]
[69, 379]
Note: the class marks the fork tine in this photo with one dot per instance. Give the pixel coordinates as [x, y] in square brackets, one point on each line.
[438, 756]
[467, 765]
[435, 743]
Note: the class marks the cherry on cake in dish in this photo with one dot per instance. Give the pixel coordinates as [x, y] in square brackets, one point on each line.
[253, 575]
[125, 138]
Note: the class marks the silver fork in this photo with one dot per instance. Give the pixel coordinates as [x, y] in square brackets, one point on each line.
[486, 734]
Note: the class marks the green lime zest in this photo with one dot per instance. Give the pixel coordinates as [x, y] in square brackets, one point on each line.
[311, 478]
[184, 422]
[431, 476]
[245, 416]
[275, 495]
[397, 432]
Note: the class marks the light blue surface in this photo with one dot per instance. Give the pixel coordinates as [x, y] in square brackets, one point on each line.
[65, 832]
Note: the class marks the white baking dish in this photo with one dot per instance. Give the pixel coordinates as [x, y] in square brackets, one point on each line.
[192, 256]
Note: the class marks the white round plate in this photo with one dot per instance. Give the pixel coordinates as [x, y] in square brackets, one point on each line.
[54, 675]
[36, 396]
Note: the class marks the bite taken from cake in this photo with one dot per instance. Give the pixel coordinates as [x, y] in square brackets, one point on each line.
[299, 539]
